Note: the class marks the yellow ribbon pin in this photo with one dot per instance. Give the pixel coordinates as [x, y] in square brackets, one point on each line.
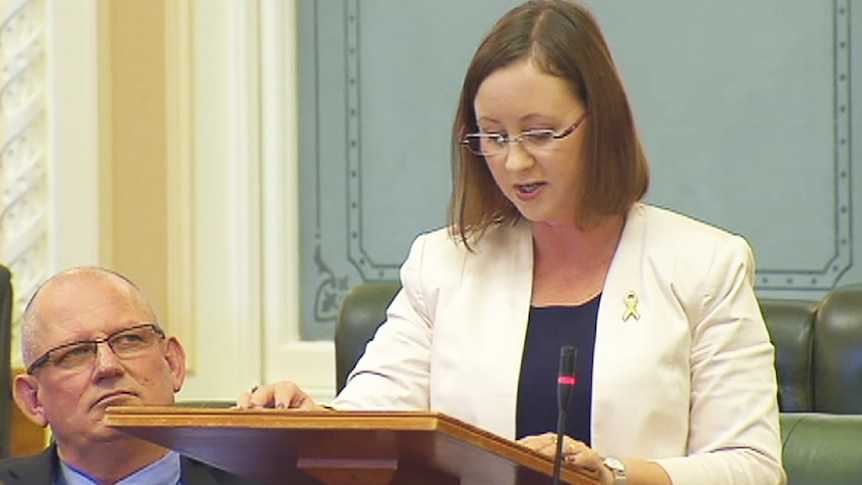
[631, 301]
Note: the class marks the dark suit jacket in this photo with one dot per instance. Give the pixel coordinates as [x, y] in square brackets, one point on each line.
[42, 469]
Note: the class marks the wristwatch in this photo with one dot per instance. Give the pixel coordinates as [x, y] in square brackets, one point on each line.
[617, 467]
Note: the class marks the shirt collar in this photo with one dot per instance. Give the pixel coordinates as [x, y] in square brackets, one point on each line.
[164, 471]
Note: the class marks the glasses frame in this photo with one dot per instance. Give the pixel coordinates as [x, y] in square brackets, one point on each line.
[45, 358]
[505, 139]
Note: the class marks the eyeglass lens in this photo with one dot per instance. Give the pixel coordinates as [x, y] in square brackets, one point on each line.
[126, 343]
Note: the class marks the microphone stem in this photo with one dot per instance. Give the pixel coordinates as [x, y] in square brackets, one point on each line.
[558, 454]
[565, 382]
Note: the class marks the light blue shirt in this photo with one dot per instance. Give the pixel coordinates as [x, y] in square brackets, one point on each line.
[164, 471]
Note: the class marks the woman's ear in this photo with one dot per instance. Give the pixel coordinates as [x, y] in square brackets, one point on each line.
[25, 391]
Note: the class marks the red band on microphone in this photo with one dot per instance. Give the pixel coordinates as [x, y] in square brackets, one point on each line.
[567, 380]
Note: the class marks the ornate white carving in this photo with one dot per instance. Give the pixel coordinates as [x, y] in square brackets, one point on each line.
[23, 160]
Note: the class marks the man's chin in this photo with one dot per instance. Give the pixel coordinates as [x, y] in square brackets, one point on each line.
[97, 434]
[114, 400]
[106, 434]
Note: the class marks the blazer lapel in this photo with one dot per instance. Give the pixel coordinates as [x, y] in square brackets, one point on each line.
[623, 304]
[508, 259]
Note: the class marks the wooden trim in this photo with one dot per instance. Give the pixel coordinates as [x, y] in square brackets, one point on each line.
[273, 443]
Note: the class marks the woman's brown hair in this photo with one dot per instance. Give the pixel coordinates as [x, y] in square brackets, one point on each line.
[563, 39]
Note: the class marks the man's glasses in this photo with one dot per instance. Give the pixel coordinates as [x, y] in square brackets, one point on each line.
[125, 343]
[493, 144]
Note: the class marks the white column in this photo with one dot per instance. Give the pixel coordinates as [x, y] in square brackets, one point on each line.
[247, 214]
[310, 364]
[227, 246]
[75, 164]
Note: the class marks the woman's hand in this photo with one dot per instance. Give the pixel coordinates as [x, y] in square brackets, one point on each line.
[574, 453]
[281, 395]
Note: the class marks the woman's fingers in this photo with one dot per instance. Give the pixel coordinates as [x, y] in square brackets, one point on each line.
[575, 453]
[281, 395]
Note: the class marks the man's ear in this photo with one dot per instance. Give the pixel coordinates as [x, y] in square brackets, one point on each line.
[25, 391]
[175, 354]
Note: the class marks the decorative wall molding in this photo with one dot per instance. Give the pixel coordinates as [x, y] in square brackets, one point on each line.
[370, 269]
[49, 160]
[827, 277]
[23, 156]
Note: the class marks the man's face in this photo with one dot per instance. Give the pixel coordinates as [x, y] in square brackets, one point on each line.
[73, 401]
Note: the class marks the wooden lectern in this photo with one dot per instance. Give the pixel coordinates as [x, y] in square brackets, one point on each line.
[288, 447]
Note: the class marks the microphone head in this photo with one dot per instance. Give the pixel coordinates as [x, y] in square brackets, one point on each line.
[568, 363]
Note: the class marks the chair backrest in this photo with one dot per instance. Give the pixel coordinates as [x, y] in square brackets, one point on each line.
[791, 327]
[362, 311]
[837, 353]
[5, 362]
[817, 344]
[817, 351]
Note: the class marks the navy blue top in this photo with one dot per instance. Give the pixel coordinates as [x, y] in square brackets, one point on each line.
[548, 329]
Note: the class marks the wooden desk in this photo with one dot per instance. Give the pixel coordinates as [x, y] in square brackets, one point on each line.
[368, 448]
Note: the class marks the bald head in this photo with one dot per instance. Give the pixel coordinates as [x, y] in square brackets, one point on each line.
[60, 291]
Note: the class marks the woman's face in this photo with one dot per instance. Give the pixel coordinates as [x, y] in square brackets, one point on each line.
[541, 182]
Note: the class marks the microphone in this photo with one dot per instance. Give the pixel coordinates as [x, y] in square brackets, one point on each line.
[565, 383]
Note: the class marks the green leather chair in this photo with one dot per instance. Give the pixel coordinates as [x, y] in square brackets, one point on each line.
[818, 351]
[822, 449]
[6, 402]
[362, 311]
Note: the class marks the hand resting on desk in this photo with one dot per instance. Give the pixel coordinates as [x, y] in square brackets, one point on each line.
[281, 395]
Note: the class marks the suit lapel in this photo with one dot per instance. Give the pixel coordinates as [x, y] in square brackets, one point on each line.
[195, 473]
[38, 469]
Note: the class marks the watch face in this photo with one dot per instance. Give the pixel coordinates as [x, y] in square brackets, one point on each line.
[618, 468]
[615, 464]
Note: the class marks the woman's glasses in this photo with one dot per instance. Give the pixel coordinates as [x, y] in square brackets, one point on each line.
[494, 144]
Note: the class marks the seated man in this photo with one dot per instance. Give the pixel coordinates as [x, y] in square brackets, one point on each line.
[90, 339]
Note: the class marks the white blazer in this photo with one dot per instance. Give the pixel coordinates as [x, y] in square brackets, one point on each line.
[690, 383]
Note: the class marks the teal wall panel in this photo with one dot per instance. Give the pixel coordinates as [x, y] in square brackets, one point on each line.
[745, 108]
